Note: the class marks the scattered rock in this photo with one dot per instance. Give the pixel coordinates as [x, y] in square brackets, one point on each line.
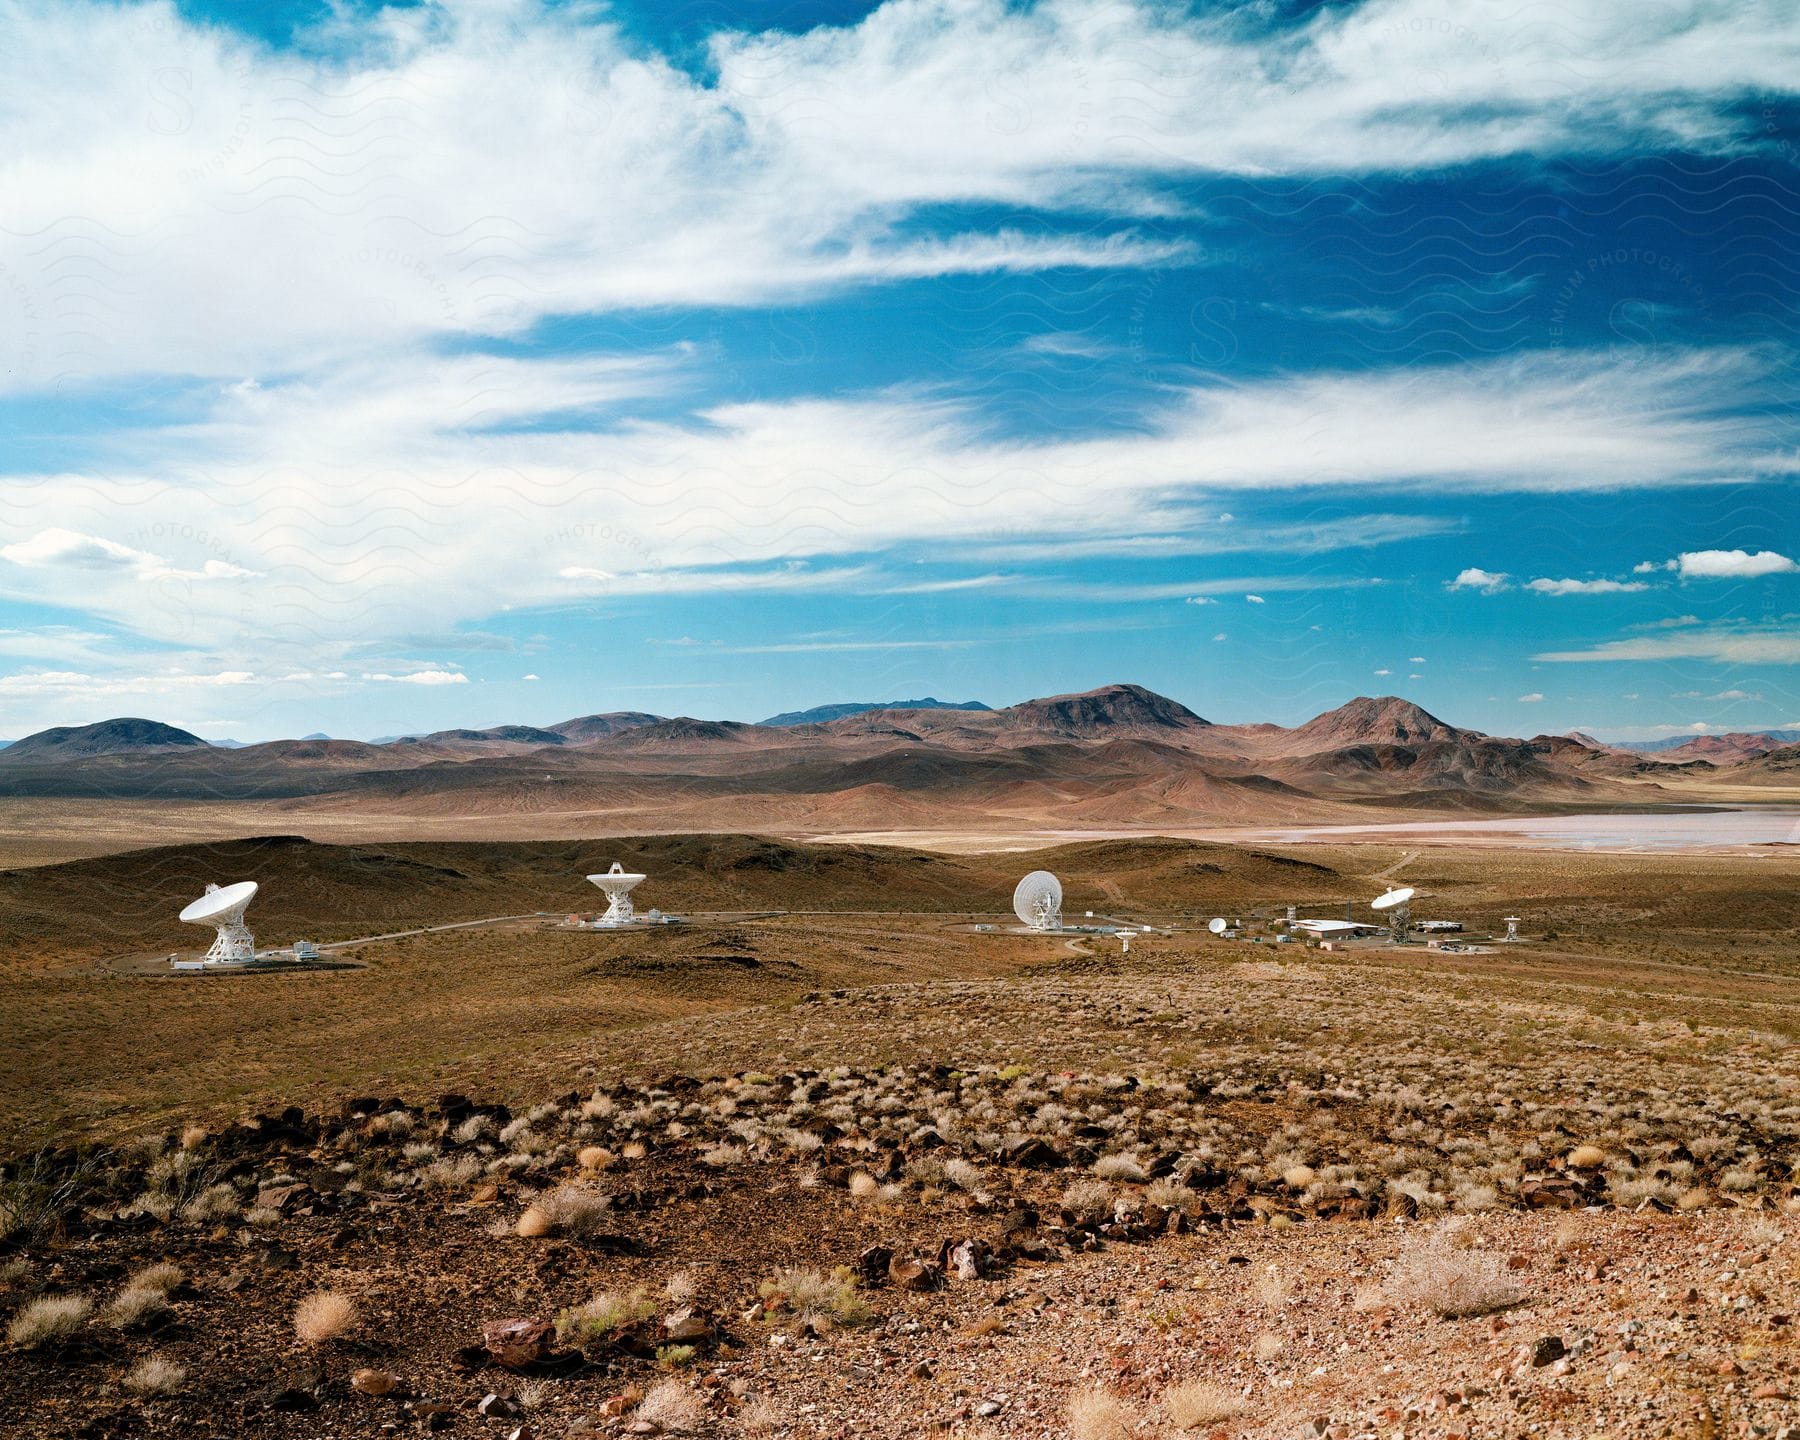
[519, 1342]
[910, 1273]
[1547, 1351]
[872, 1265]
[1027, 1152]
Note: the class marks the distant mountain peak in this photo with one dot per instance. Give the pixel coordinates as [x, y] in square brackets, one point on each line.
[821, 714]
[123, 736]
[1379, 720]
[1107, 709]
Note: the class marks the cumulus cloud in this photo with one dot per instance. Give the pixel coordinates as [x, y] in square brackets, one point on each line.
[1731, 564]
[420, 677]
[57, 548]
[1530, 699]
[1587, 587]
[1475, 578]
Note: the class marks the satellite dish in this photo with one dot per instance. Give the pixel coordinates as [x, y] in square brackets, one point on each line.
[1217, 925]
[1397, 905]
[618, 884]
[1038, 901]
[222, 907]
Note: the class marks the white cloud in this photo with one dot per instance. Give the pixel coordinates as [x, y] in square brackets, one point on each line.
[1067, 344]
[1475, 578]
[57, 548]
[1201, 600]
[1416, 660]
[81, 685]
[260, 207]
[1255, 600]
[421, 677]
[1587, 587]
[1384, 672]
[378, 499]
[826, 647]
[1530, 699]
[1221, 636]
[1734, 646]
[1731, 564]
[531, 677]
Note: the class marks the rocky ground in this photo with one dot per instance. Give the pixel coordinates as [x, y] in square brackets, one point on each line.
[909, 1248]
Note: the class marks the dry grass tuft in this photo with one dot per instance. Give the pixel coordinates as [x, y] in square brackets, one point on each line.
[164, 1275]
[47, 1319]
[603, 1317]
[155, 1375]
[824, 1299]
[1098, 1414]
[134, 1305]
[1451, 1283]
[567, 1210]
[323, 1316]
[673, 1408]
[1200, 1402]
[1586, 1157]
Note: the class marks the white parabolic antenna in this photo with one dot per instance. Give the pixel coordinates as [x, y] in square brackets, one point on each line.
[222, 907]
[1037, 901]
[1217, 925]
[1396, 903]
[618, 885]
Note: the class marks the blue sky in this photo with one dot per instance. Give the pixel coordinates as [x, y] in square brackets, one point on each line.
[373, 369]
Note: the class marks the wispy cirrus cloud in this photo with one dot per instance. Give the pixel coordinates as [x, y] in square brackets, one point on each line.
[1771, 645]
[266, 209]
[1586, 587]
[388, 502]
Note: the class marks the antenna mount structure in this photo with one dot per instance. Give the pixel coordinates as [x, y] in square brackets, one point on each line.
[223, 909]
[618, 886]
[1512, 928]
[1037, 901]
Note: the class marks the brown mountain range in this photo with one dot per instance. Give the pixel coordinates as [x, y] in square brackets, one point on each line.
[1118, 756]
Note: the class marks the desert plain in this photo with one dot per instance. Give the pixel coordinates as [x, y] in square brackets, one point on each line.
[846, 1153]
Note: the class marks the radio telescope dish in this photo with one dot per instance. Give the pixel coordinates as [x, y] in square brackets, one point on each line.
[618, 885]
[223, 909]
[1038, 901]
[1217, 925]
[1397, 904]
